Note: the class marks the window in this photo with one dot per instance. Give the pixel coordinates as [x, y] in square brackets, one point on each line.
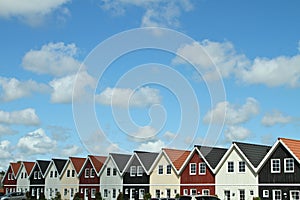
[108, 171]
[205, 192]
[39, 175]
[169, 169]
[185, 192]
[192, 168]
[132, 170]
[276, 194]
[193, 191]
[288, 165]
[175, 191]
[114, 194]
[275, 166]
[160, 169]
[73, 173]
[81, 190]
[25, 175]
[33, 192]
[51, 174]
[93, 193]
[202, 168]
[140, 171]
[92, 173]
[141, 193]
[72, 192]
[168, 191]
[105, 193]
[227, 194]
[87, 173]
[242, 166]
[68, 173]
[251, 192]
[230, 167]
[242, 194]
[157, 193]
[55, 174]
[294, 194]
[114, 171]
[35, 175]
[266, 193]
[65, 192]
[22, 175]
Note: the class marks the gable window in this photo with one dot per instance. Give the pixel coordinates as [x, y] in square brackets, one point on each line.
[68, 173]
[288, 165]
[39, 175]
[230, 167]
[108, 171]
[202, 168]
[139, 171]
[55, 174]
[160, 169]
[275, 165]
[114, 171]
[87, 173]
[92, 173]
[132, 170]
[169, 169]
[22, 175]
[35, 175]
[51, 174]
[242, 166]
[192, 168]
[73, 173]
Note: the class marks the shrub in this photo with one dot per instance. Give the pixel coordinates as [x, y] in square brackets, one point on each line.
[256, 198]
[147, 196]
[77, 196]
[120, 196]
[98, 196]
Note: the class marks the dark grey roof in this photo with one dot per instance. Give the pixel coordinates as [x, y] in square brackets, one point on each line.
[254, 152]
[59, 163]
[147, 158]
[120, 160]
[213, 155]
[43, 165]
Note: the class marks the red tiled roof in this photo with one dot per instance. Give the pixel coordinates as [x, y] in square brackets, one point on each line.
[98, 162]
[293, 145]
[77, 163]
[176, 156]
[28, 166]
[15, 167]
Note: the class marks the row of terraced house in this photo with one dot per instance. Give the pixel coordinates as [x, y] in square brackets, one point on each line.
[240, 172]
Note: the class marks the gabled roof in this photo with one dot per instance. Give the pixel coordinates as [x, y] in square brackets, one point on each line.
[15, 167]
[120, 160]
[43, 165]
[97, 162]
[146, 159]
[59, 164]
[77, 163]
[176, 156]
[28, 166]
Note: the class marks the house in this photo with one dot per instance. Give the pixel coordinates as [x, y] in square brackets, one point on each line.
[9, 180]
[236, 174]
[69, 180]
[52, 177]
[279, 171]
[197, 172]
[23, 182]
[89, 179]
[136, 175]
[37, 179]
[111, 179]
[164, 177]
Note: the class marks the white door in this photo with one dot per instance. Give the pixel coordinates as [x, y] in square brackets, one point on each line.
[132, 193]
[71, 191]
[86, 193]
[38, 193]
[294, 195]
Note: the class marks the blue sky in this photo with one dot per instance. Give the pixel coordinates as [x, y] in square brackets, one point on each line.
[248, 54]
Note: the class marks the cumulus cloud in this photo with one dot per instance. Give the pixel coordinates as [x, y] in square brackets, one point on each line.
[232, 114]
[36, 143]
[13, 89]
[63, 88]
[126, 97]
[23, 117]
[162, 13]
[70, 150]
[5, 130]
[276, 117]
[169, 135]
[32, 12]
[56, 59]
[5, 150]
[144, 133]
[155, 146]
[236, 133]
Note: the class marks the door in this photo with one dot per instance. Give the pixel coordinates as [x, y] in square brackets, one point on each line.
[276, 194]
[227, 194]
[71, 191]
[132, 193]
[294, 195]
[38, 190]
[86, 193]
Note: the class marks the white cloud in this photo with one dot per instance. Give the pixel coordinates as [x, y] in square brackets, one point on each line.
[276, 117]
[236, 133]
[13, 89]
[161, 13]
[124, 97]
[54, 58]
[5, 150]
[232, 114]
[23, 117]
[36, 143]
[153, 146]
[32, 12]
[63, 87]
[169, 135]
[70, 150]
[144, 133]
[5, 130]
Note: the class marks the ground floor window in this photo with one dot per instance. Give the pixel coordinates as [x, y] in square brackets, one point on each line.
[266, 193]
[205, 192]
[141, 193]
[105, 193]
[93, 193]
[185, 192]
[242, 194]
[65, 192]
[295, 195]
[157, 193]
[72, 192]
[114, 194]
[193, 192]
[33, 192]
[168, 191]
[276, 194]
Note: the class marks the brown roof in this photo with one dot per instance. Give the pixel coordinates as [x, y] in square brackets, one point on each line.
[15, 167]
[28, 166]
[176, 156]
[293, 145]
[77, 163]
[98, 162]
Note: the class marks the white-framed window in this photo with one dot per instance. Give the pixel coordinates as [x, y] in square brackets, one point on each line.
[51, 174]
[168, 193]
[81, 190]
[68, 173]
[227, 194]
[108, 171]
[266, 193]
[193, 191]
[105, 193]
[21, 175]
[202, 168]
[114, 193]
[72, 192]
[92, 171]
[230, 166]
[35, 175]
[205, 192]
[73, 172]
[185, 192]
[93, 193]
[86, 172]
[157, 193]
[192, 168]
[242, 194]
[65, 192]
[276, 194]
[25, 175]
[288, 165]
[139, 171]
[39, 175]
[132, 170]
[169, 169]
[160, 169]
[294, 194]
[275, 165]
[55, 174]
[33, 192]
[114, 171]
[242, 166]
[141, 193]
